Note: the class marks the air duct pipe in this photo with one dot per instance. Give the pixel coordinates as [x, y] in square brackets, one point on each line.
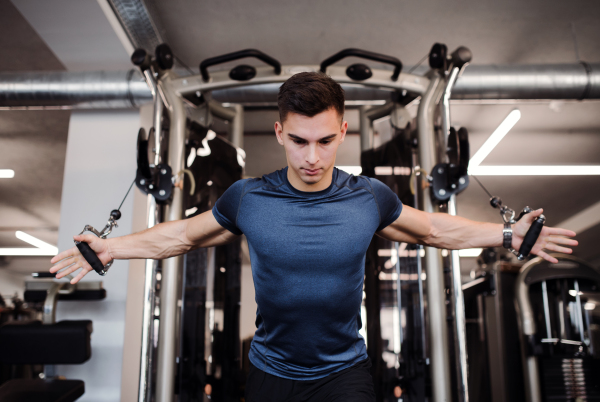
[81, 90]
[128, 89]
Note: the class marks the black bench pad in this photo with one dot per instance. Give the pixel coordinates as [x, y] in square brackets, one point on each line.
[41, 390]
[66, 342]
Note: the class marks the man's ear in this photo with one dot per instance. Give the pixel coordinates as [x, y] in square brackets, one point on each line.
[279, 132]
[343, 131]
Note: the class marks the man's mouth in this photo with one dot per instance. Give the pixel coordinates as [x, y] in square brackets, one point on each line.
[311, 172]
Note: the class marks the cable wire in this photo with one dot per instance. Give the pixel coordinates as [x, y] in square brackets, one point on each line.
[418, 64]
[124, 198]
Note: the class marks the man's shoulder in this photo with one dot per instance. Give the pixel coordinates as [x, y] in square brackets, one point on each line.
[352, 182]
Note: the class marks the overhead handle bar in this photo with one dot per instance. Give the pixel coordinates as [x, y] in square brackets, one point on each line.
[236, 56]
[365, 54]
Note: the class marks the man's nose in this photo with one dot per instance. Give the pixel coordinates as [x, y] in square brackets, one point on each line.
[312, 154]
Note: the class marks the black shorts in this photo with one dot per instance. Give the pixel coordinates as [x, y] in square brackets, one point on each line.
[353, 384]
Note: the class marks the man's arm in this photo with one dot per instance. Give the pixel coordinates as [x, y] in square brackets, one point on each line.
[454, 232]
[164, 240]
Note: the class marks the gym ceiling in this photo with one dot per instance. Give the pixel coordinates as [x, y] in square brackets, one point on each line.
[74, 35]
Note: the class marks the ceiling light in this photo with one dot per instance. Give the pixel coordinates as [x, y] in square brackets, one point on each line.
[533, 170]
[589, 306]
[34, 241]
[487, 147]
[42, 248]
[470, 252]
[355, 170]
[7, 173]
[24, 251]
[393, 170]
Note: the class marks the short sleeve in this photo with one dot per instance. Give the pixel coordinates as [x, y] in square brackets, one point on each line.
[388, 203]
[226, 208]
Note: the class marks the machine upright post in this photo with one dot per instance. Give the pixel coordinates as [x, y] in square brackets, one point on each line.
[154, 216]
[436, 303]
[172, 267]
[146, 355]
[237, 127]
[460, 330]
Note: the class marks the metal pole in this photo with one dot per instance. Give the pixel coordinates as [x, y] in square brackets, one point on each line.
[146, 361]
[167, 340]
[366, 131]
[438, 332]
[237, 127]
[460, 330]
[460, 335]
[398, 294]
[580, 312]
[154, 217]
[546, 309]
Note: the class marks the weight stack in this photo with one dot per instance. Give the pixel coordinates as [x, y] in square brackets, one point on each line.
[570, 379]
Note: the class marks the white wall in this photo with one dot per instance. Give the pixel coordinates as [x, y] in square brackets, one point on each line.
[100, 165]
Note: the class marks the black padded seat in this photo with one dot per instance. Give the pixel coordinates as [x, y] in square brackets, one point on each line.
[41, 390]
[66, 342]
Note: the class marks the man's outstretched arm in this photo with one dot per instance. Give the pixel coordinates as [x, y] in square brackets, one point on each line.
[164, 240]
[454, 232]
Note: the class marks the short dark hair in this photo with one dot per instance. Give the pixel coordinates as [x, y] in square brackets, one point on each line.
[309, 94]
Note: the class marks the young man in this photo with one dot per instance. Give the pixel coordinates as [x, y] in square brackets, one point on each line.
[308, 228]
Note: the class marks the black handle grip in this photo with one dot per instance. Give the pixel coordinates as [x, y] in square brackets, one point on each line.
[461, 56]
[91, 257]
[531, 237]
[141, 59]
[236, 56]
[365, 54]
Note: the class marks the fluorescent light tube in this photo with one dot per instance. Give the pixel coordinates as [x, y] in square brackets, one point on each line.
[487, 147]
[355, 170]
[42, 248]
[534, 170]
[34, 241]
[470, 252]
[7, 173]
[28, 251]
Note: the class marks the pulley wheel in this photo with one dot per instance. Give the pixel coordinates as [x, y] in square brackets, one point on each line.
[438, 56]
[164, 56]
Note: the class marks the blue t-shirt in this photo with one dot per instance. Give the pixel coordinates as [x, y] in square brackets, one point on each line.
[307, 251]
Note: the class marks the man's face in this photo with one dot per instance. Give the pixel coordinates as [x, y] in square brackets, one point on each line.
[310, 146]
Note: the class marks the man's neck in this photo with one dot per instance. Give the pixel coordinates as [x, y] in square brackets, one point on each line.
[300, 185]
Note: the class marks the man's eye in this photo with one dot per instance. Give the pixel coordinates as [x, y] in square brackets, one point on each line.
[298, 141]
[326, 142]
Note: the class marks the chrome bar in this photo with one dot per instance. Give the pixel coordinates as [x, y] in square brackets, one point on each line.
[209, 322]
[421, 303]
[398, 293]
[172, 267]
[460, 337]
[146, 355]
[546, 309]
[436, 303]
[580, 311]
[236, 134]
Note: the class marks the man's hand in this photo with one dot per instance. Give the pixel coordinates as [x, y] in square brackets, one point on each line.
[72, 259]
[549, 239]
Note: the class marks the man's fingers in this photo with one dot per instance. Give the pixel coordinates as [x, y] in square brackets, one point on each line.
[63, 264]
[562, 240]
[81, 274]
[558, 249]
[68, 270]
[560, 232]
[65, 254]
[547, 257]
